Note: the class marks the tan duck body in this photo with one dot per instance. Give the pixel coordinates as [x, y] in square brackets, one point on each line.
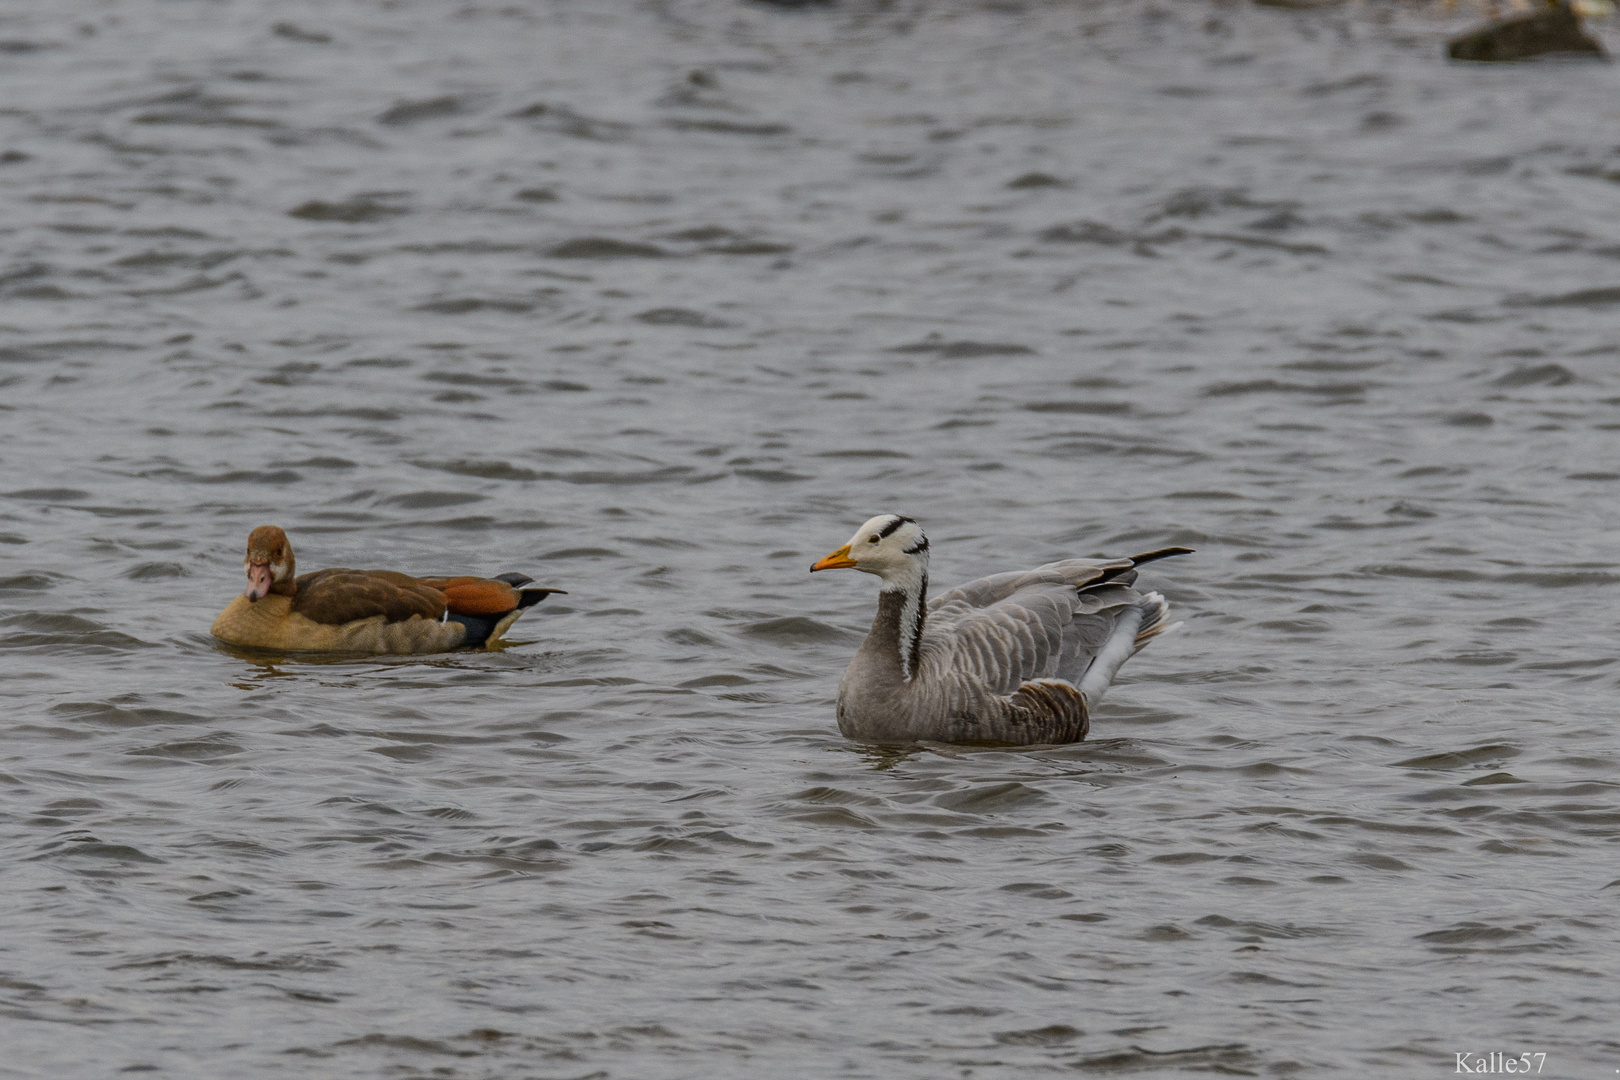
[365, 611]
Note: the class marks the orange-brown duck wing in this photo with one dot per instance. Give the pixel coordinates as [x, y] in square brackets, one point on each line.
[340, 596]
[476, 595]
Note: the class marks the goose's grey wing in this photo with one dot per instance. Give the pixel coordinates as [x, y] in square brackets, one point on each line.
[1019, 645]
[997, 648]
[1002, 631]
[1095, 611]
[1047, 629]
[986, 591]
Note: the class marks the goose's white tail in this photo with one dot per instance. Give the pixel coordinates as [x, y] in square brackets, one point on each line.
[1133, 629]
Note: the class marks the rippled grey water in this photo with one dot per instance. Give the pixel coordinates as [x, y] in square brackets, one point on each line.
[655, 302]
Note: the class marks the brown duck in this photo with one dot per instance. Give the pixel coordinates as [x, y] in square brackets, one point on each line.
[365, 611]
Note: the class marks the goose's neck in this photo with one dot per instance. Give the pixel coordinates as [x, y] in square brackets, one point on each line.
[289, 587]
[897, 630]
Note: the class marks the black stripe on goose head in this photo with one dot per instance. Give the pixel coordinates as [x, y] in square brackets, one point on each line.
[919, 547]
[894, 523]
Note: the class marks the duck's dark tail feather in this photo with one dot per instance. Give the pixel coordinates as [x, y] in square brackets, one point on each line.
[527, 598]
[482, 629]
[479, 627]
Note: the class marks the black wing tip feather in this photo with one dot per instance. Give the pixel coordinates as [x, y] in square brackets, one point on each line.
[1126, 574]
[527, 598]
[1162, 553]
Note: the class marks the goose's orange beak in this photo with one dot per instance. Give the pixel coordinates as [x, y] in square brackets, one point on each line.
[838, 560]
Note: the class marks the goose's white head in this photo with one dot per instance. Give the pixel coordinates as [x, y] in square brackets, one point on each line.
[890, 546]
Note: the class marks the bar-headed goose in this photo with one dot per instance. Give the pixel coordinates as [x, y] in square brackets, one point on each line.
[1015, 658]
[365, 611]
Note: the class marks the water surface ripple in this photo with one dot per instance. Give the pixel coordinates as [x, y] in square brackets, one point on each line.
[655, 302]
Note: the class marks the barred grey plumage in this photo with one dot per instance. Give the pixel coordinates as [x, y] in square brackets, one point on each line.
[1015, 658]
